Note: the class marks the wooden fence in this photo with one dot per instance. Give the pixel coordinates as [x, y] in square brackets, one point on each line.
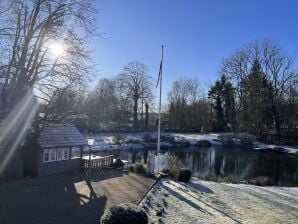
[99, 163]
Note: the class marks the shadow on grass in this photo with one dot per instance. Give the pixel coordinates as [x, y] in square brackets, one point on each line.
[197, 187]
[187, 201]
[198, 199]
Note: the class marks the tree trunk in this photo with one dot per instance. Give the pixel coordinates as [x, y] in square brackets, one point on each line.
[147, 117]
[135, 114]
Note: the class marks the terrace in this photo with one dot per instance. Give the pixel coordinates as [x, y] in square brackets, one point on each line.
[69, 197]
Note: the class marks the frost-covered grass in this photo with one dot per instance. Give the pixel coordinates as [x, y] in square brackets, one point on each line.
[210, 202]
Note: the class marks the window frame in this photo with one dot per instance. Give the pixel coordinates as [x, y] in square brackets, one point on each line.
[75, 152]
[63, 151]
[46, 152]
[50, 152]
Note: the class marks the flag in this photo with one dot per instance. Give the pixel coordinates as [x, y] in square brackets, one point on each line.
[159, 73]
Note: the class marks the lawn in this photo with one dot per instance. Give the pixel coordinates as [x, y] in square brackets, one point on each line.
[69, 197]
[210, 202]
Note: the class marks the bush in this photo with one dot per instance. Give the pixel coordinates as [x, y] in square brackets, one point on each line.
[124, 214]
[131, 168]
[174, 165]
[204, 143]
[231, 138]
[226, 138]
[117, 139]
[165, 170]
[139, 168]
[230, 179]
[133, 141]
[118, 163]
[184, 175]
[247, 139]
[148, 138]
[261, 181]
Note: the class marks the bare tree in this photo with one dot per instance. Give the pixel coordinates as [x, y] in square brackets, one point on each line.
[188, 109]
[136, 86]
[29, 31]
[102, 105]
[277, 68]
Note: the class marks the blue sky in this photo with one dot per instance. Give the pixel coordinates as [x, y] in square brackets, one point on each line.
[197, 34]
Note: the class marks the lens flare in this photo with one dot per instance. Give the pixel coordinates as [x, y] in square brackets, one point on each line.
[15, 127]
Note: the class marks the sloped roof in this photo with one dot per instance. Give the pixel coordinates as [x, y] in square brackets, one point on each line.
[60, 136]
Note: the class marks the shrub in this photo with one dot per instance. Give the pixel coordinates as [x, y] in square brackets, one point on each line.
[131, 168]
[165, 170]
[124, 214]
[148, 138]
[117, 139]
[184, 175]
[226, 138]
[261, 181]
[174, 165]
[139, 168]
[169, 139]
[204, 143]
[247, 139]
[160, 211]
[133, 141]
[229, 179]
[118, 163]
[231, 138]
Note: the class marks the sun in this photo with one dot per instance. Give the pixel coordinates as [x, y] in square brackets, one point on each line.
[56, 49]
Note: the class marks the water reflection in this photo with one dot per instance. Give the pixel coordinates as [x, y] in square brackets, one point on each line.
[245, 164]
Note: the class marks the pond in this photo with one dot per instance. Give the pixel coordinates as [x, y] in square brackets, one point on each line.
[222, 161]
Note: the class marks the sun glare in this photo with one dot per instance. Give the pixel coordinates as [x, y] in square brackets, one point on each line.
[57, 49]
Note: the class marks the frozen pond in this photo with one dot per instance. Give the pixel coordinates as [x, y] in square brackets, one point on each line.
[223, 161]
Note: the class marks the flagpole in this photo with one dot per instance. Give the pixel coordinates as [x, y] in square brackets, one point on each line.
[159, 109]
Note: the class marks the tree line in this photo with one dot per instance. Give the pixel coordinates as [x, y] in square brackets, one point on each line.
[264, 83]
[121, 102]
[256, 92]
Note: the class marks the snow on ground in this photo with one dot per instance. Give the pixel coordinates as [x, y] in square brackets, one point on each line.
[194, 138]
[290, 149]
[209, 202]
[282, 148]
[105, 141]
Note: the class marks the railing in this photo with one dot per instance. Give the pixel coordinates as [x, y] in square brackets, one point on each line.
[98, 163]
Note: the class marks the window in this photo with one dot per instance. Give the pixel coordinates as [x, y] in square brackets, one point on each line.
[66, 151]
[62, 154]
[46, 156]
[59, 154]
[52, 155]
[75, 152]
[49, 155]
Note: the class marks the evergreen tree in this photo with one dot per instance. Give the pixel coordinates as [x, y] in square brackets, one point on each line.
[216, 93]
[256, 94]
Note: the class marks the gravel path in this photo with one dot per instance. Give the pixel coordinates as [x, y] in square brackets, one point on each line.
[209, 202]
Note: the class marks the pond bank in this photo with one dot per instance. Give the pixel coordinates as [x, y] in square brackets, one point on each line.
[169, 140]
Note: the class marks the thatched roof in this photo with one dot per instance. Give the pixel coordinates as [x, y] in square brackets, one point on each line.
[61, 136]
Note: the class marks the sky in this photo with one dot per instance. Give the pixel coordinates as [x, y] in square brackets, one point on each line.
[197, 35]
